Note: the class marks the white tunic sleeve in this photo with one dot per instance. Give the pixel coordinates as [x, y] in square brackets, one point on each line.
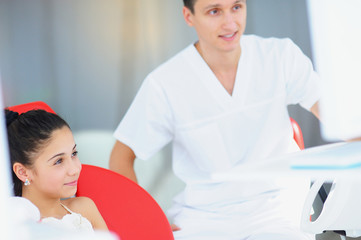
[302, 82]
[147, 126]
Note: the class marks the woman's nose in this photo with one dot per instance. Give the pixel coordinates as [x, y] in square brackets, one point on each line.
[74, 167]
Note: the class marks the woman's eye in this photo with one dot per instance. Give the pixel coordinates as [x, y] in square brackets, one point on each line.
[75, 154]
[60, 160]
[237, 7]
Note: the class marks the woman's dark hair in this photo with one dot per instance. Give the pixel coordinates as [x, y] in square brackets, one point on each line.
[189, 4]
[27, 134]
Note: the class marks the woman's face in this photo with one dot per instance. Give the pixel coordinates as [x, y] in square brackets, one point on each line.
[56, 168]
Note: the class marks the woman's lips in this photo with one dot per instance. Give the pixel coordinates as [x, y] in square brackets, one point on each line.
[73, 183]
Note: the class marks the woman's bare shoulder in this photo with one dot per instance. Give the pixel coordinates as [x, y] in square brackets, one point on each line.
[79, 204]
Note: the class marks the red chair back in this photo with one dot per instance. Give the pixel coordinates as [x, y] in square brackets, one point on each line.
[127, 208]
[297, 134]
[22, 108]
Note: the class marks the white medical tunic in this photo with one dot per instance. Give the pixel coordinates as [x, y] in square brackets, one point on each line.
[182, 101]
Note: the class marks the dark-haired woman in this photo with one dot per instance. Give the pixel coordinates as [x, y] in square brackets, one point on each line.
[46, 169]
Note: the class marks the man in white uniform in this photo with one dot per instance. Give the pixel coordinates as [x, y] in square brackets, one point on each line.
[222, 102]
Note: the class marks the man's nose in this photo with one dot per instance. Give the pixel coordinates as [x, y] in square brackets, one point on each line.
[229, 22]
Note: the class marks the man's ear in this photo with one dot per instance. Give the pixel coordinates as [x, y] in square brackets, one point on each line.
[187, 14]
[21, 171]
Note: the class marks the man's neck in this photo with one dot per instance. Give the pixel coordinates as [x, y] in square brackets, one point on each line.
[220, 61]
[223, 65]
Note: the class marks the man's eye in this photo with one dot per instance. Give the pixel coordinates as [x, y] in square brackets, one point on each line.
[237, 7]
[213, 12]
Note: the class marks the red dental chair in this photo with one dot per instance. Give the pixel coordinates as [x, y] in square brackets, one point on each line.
[31, 106]
[127, 208]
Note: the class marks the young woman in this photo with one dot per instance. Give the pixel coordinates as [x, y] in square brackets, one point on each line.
[46, 169]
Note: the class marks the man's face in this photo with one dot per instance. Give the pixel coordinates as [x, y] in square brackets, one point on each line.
[219, 23]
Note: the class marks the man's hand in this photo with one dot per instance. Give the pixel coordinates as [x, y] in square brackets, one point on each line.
[354, 139]
[175, 227]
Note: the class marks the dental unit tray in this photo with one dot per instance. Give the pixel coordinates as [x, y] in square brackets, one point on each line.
[330, 157]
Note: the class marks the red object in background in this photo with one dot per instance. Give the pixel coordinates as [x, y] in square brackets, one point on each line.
[31, 106]
[297, 134]
[128, 209]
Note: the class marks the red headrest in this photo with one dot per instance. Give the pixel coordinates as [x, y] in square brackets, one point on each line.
[31, 106]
